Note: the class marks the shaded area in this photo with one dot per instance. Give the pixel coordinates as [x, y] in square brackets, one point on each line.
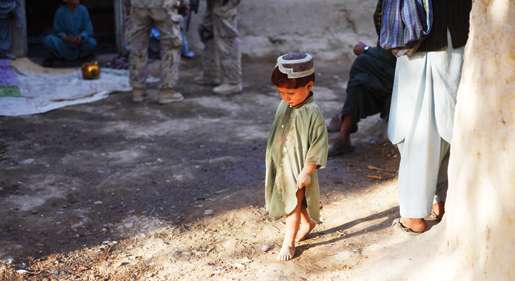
[40, 15]
[74, 178]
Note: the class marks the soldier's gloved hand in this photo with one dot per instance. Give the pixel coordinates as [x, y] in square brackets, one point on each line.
[205, 33]
[231, 3]
[183, 4]
[174, 5]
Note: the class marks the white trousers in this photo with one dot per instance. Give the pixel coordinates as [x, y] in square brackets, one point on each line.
[421, 119]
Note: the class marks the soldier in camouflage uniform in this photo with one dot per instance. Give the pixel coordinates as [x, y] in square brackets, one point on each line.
[219, 33]
[164, 15]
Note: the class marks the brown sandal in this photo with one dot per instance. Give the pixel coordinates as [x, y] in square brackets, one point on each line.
[400, 226]
[435, 217]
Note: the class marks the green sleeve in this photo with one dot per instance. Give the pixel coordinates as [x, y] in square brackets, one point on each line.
[318, 142]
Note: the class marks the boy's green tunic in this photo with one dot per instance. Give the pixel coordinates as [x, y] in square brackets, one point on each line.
[298, 137]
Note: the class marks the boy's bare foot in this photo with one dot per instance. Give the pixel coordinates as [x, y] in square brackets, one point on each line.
[415, 225]
[304, 230]
[286, 253]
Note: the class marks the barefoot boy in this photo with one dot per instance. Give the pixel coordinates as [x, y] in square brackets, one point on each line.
[296, 149]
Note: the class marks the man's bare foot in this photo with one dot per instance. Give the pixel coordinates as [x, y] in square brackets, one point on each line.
[340, 145]
[304, 230]
[415, 225]
[286, 253]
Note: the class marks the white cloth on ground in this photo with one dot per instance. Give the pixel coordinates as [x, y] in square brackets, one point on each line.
[44, 89]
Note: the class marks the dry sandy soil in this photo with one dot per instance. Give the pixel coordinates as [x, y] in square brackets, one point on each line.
[118, 191]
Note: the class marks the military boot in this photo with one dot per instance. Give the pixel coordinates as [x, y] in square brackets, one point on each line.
[228, 89]
[204, 81]
[168, 96]
[138, 95]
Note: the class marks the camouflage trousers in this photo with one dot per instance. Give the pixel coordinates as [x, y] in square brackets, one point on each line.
[219, 33]
[138, 32]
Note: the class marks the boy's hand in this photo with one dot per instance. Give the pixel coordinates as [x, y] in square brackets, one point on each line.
[304, 178]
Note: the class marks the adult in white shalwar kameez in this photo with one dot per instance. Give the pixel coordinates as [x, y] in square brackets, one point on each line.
[422, 108]
[421, 118]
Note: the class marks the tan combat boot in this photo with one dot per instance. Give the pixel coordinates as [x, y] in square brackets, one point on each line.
[204, 81]
[168, 96]
[228, 89]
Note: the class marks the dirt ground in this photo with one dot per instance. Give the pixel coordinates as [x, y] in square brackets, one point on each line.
[118, 191]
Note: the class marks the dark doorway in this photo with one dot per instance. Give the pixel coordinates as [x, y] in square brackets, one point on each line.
[40, 15]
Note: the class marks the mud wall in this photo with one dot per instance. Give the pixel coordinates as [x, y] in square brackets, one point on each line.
[328, 28]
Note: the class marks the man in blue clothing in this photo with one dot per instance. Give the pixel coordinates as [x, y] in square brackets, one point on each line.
[72, 36]
[11, 15]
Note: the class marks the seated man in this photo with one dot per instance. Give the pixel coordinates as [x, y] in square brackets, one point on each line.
[369, 91]
[9, 15]
[72, 36]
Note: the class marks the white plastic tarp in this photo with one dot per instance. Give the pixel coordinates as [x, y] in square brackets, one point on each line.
[44, 89]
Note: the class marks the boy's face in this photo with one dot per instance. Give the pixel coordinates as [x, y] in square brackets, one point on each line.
[295, 96]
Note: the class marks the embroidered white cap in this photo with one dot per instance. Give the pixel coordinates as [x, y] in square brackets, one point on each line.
[296, 65]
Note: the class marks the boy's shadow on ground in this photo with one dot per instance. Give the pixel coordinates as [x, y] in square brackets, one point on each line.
[390, 215]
